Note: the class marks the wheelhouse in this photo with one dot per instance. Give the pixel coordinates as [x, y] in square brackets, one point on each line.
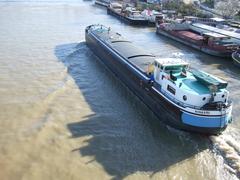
[167, 65]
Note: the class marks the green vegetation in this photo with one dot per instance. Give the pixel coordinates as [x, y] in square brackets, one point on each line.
[180, 8]
[208, 3]
[237, 17]
[228, 8]
[183, 9]
[141, 6]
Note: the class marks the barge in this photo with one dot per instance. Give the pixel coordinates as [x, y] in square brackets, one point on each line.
[186, 99]
[129, 15]
[211, 43]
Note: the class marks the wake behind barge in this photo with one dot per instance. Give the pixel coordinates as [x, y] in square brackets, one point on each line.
[183, 102]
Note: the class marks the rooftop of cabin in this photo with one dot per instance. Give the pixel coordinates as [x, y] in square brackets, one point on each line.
[171, 62]
[218, 19]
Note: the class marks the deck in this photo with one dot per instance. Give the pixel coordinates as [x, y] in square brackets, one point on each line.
[134, 55]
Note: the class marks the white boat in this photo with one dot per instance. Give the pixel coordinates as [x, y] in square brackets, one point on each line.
[129, 14]
[151, 15]
[132, 13]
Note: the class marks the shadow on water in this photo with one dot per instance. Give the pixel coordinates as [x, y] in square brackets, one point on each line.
[125, 136]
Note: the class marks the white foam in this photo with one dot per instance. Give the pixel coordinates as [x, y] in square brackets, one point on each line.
[229, 150]
[178, 55]
[232, 142]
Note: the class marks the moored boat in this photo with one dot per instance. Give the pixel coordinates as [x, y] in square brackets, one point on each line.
[208, 42]
[151, 16]
[104, 3]
[236, 57]
[128, 14]
[180, 97]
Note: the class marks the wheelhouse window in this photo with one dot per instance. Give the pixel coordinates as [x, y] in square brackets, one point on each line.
[184, 97]
[175, 69]
[171, 89]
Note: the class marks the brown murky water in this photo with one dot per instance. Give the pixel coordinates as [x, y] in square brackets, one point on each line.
[64, 116]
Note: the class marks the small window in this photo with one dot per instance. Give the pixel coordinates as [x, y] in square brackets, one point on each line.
[184, 97]
[223, 96]
[204, 98]
[171, 89]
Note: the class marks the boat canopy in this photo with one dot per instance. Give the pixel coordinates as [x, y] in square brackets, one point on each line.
[217, 30]
[216, 35]
[211, 82]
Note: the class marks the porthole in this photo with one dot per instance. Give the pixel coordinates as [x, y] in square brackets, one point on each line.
[184, 97]
[223, 96]
[204, 98]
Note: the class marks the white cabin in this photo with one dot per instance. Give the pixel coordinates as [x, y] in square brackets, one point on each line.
[180, 85]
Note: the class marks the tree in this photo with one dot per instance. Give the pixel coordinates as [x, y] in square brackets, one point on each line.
[209, 3]
[181, 7]
[228, 8]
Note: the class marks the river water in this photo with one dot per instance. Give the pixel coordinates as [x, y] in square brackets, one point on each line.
[63, 115]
